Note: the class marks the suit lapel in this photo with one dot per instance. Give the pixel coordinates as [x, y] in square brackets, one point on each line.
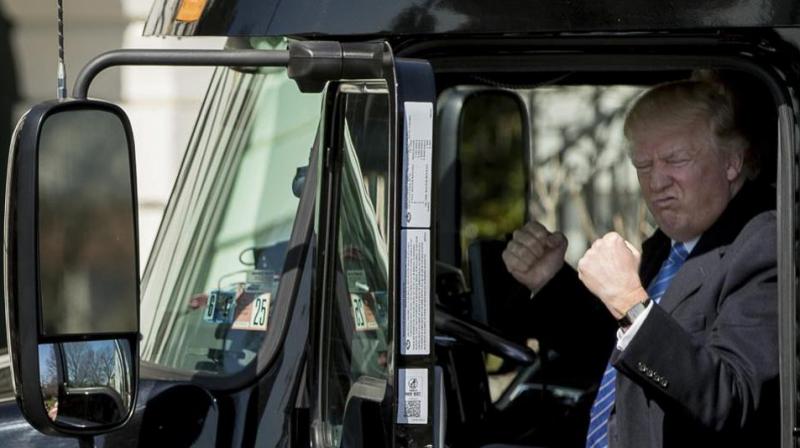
[688, 279]
[750, 201]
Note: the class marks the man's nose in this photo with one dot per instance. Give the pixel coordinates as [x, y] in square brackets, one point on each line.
[659, 179]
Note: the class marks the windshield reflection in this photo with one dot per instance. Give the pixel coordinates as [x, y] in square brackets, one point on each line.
[86, 384]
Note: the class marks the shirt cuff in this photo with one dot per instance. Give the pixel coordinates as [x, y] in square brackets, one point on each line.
[625, 337]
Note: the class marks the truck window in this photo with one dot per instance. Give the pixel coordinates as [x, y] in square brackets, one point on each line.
[356, 341]
[554, 154]
[208, 291]
[582, 181]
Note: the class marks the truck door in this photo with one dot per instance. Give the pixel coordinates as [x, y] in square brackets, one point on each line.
[251, 245]
[372, 364]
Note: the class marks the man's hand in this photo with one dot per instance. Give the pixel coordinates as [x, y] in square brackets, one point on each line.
[535, 255]
[610, 270]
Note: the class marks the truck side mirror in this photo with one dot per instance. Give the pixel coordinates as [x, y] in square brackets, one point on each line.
[71, 267]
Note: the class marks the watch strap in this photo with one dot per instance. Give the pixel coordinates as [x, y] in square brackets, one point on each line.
[634, 312]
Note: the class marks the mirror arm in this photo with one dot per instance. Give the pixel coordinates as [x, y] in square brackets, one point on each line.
[229, 58]
[311, 63]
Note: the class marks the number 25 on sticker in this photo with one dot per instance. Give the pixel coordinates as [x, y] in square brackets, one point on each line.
[252, 313]
[260, 311]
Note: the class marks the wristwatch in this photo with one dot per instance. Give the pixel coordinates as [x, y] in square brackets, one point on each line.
[627, 320]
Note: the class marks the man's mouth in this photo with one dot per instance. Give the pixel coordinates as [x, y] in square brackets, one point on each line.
[663, 202]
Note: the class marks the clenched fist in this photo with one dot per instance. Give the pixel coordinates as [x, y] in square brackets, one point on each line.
[535, 255]
[610, 270]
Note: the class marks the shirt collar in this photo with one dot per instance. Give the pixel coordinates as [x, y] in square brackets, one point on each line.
[689, 245]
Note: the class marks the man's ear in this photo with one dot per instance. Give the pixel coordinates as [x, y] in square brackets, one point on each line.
[735, 164]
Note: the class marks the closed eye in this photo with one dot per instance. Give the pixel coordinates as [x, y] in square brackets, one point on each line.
[679, 161]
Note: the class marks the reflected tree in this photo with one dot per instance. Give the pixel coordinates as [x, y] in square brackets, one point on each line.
[86, 366]
[582, 181]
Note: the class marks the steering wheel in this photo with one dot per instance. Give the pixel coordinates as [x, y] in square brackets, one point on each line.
[486, 338]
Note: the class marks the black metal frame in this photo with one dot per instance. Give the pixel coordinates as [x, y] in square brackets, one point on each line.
[22, 287]
[407, 80]
[311, 64]
[657, 53]
[392, 18]
[413, 80]
[230, 58]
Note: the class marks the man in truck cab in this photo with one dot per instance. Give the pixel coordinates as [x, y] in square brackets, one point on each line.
[695, 359]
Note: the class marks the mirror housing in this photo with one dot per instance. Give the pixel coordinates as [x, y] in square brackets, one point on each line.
[71, 267]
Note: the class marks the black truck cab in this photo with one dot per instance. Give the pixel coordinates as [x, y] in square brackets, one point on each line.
[327, 272]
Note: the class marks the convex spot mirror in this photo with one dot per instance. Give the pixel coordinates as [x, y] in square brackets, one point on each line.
[71, 267]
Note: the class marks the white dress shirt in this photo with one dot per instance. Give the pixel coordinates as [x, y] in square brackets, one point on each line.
[624, 337]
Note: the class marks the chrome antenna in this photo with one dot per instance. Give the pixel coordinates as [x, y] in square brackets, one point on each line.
[62, 73]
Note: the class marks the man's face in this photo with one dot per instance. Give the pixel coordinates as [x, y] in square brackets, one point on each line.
[686, 182]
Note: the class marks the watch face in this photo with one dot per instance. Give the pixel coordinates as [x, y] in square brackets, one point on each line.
[633, 313]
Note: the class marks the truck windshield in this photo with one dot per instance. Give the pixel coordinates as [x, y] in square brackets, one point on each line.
[207, 292]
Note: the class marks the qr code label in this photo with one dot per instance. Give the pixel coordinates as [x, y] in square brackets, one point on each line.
[412, 406]
[413, 409]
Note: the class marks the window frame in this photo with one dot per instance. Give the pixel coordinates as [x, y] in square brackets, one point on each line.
[328, 258]
[645, 54]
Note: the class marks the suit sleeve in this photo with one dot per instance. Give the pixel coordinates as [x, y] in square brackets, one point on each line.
[721, 377]
[569, 320]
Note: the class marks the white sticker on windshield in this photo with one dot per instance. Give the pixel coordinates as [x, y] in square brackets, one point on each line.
[417, 164]
[412, 405]
[364, 311]
[252, 312]
[415, 292]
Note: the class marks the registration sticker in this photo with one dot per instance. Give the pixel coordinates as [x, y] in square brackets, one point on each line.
[252, 312]
[219, 306]
[364, 311]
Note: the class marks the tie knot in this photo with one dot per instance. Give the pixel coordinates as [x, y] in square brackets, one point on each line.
[678, 253]
[670, 267]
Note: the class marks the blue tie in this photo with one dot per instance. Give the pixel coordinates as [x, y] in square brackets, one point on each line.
[601, 409]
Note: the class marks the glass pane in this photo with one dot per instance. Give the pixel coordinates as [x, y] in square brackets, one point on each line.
[208, 292]
[492, 168]
[86, 238]
[357, 341]
[582, 182]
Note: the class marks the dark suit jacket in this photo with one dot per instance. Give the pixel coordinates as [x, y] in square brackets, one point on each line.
[703, 368]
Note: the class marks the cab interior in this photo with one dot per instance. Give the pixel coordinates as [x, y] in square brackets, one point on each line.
[515, 144]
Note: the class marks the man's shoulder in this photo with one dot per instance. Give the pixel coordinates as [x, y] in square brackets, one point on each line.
[758, 236]
[764, 224]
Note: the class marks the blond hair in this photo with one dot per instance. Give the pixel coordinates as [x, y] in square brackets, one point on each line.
[701, 98]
